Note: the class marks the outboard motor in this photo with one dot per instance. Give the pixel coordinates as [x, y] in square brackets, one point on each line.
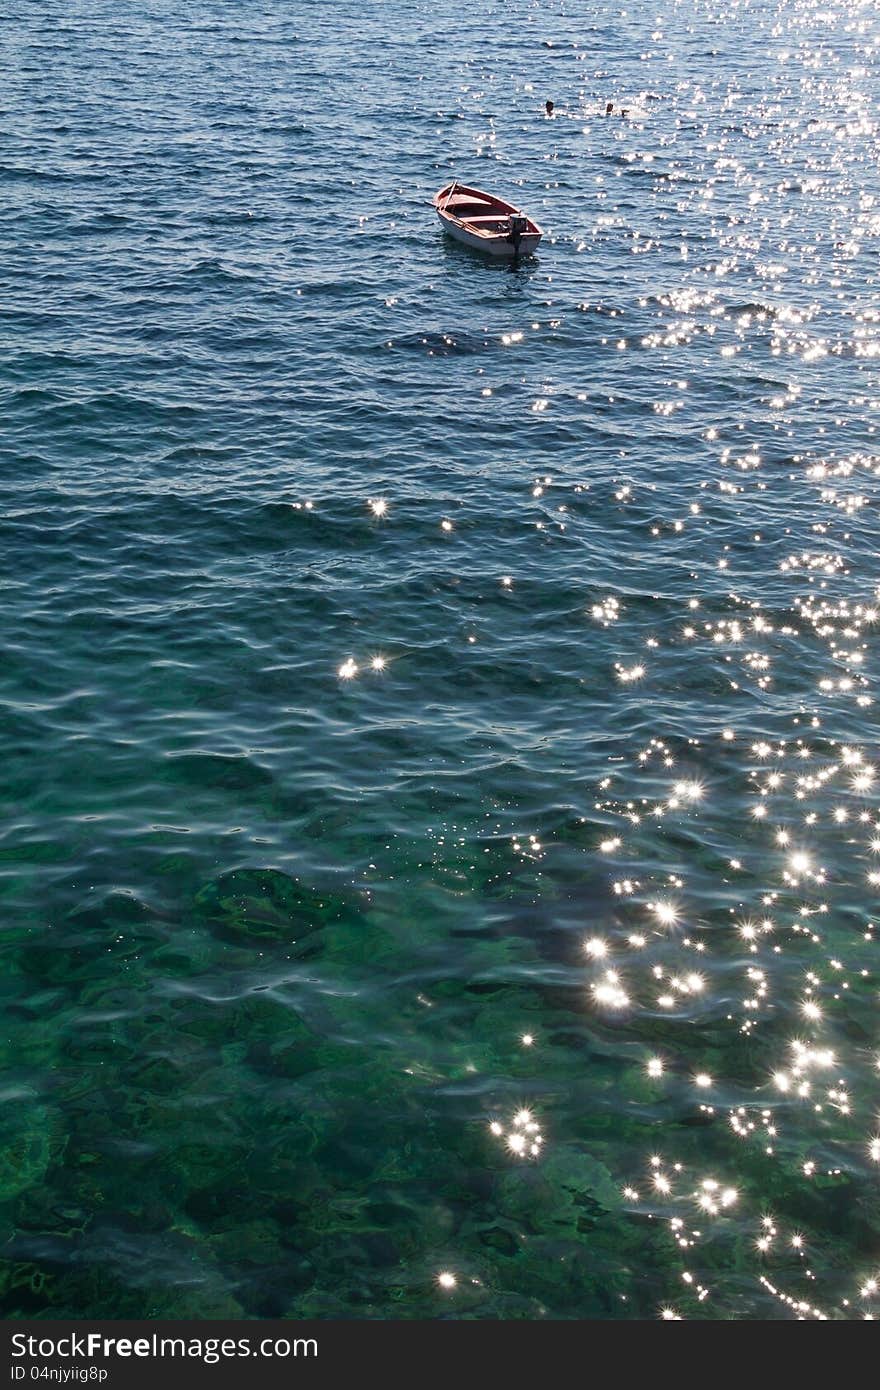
[516, 226]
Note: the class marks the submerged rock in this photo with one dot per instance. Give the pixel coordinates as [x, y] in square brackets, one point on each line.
[26, 1141]
[266, 905]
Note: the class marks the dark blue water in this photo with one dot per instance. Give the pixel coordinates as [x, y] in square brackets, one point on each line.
[441, 828]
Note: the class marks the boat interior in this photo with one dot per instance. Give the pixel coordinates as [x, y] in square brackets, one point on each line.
[481, 216]
[488, 224]
[466, 207]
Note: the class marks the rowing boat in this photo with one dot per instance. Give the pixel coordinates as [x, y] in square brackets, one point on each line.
[485, 222]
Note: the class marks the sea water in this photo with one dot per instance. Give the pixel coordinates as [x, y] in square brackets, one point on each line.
[439, 739]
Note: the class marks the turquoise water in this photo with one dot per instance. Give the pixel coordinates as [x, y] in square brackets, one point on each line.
[441, 827]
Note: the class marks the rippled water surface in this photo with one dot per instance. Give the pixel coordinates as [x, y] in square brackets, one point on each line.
[441, 836]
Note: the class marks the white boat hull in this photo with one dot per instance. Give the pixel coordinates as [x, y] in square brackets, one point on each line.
[500, 246]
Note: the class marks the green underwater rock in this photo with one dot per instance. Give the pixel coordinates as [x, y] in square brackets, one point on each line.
[560, 1195]
[266, 906]
[27, 1130]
